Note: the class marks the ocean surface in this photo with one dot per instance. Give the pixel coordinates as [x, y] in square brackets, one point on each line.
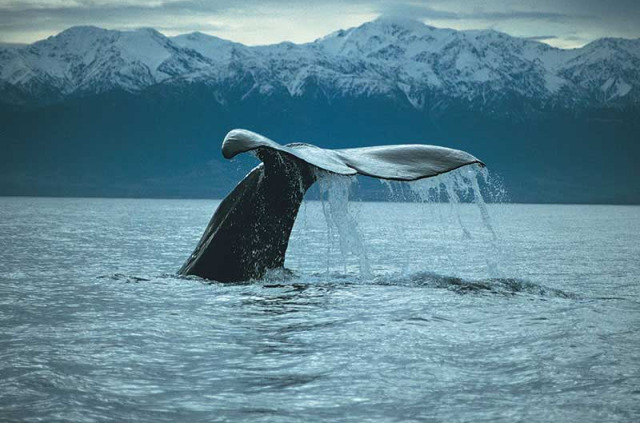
[413, 313]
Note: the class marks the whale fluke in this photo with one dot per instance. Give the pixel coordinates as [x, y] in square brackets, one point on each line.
[249, 231]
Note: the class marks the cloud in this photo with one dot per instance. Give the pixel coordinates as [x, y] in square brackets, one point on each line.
[420, 10]
[572, 22]
[267, 21]
[248, 21]
[541, 37]
[58, 15]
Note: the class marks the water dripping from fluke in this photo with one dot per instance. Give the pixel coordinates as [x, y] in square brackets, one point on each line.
[445, 197]
[334, 194]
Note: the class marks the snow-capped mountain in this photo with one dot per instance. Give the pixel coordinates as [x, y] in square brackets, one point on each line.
[88, 60]
[389, 57]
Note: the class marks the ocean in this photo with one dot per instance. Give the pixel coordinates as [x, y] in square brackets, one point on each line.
[416, 312]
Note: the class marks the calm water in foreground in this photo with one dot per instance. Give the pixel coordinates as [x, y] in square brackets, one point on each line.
[541, 324]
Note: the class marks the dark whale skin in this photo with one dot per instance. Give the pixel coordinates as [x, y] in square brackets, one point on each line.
[249, 231]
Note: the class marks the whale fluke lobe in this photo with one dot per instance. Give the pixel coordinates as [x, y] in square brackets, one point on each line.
[249, 232]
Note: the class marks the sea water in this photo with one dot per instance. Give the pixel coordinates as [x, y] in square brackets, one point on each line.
[424, 314]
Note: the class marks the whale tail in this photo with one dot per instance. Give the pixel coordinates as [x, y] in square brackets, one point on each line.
[249, 231]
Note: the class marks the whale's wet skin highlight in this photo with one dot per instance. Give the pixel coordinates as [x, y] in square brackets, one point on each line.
[533, 315]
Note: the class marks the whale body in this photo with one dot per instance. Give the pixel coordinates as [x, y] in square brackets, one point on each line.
[249, 231]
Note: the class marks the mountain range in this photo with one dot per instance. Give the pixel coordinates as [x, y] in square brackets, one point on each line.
[92, 111]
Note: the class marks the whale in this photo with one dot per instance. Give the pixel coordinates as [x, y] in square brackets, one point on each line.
[249, 231]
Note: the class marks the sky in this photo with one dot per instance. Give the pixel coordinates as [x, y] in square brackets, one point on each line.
[561, 23]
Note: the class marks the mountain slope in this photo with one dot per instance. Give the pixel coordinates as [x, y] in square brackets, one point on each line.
[428, 66]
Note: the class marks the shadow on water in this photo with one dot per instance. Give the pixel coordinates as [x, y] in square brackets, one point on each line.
[124, 278]
[290, 286]
[499, 286]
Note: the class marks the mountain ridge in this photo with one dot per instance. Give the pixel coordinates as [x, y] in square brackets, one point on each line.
[387, 56]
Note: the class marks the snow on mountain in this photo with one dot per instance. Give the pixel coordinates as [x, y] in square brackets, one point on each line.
[388, 57]
[213, 48]
[608, 68]
[93, 60]
[462, 64]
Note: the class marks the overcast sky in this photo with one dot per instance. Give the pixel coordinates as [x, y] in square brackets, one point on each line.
[562, 23]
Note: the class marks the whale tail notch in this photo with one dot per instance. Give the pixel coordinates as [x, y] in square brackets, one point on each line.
[249, 231]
